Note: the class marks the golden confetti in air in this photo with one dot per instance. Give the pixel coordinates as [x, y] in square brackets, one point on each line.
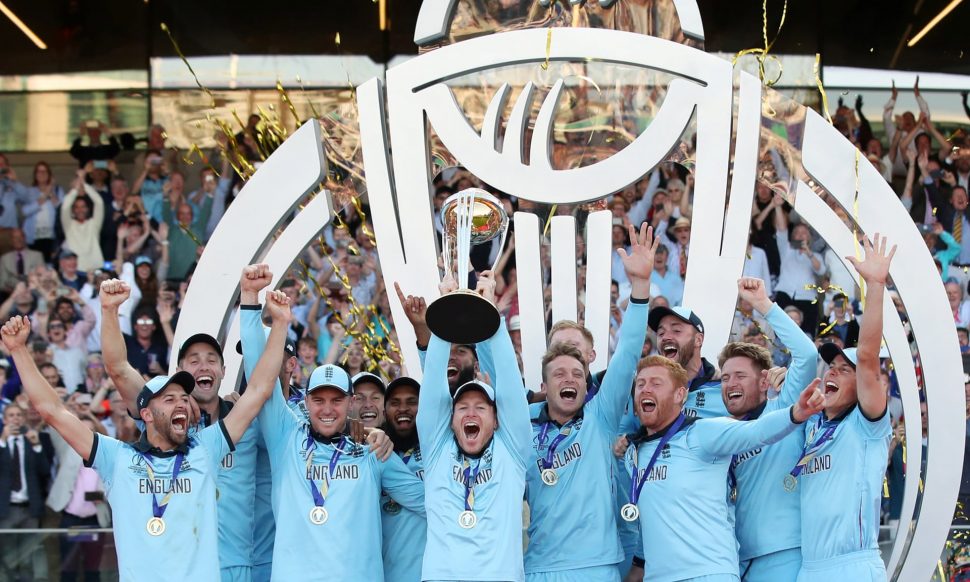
[762, 54]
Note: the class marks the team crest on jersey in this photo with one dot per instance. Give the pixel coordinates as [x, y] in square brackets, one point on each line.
[139, 467]
[665, 452]
[699, 400]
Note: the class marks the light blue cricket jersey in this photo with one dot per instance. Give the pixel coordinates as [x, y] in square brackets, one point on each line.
[582, 499]
[841, 487]
[405, 532]
[235, 492]
[188, 549]
[253, 336]
[684, 515]
[768, 518]
[492, 550]
[346, 546]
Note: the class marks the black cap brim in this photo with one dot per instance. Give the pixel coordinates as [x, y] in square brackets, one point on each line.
[201, 338]
[368, 378]
[829, 351]
[403, 381]
[180, 378]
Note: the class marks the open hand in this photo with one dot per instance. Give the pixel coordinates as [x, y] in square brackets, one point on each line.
[874, 268]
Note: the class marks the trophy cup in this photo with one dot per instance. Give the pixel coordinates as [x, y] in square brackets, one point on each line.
[470, 217]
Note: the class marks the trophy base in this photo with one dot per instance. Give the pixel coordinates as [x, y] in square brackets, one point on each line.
[463, 317]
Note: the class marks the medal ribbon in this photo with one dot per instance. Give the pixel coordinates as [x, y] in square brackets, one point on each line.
[810, 450]
[551, 451]
[320, 494]
[469, 479]
[640, 477]
[158, 509]
[407, 455]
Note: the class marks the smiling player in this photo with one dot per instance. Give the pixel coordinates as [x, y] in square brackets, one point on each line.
[572, 455]
[201, 357]
[843, 460]
[767, 515]
[163, 487]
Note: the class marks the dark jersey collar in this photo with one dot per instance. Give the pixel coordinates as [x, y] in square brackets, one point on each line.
[205, 419]
[543, 417]
[705, 375]
[757, 412]
[401, 442]
[143, 446]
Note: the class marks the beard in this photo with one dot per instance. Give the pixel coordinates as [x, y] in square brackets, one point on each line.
[466, 374]
[163, 426]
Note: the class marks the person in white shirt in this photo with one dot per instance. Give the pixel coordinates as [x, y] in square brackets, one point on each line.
[799, 267]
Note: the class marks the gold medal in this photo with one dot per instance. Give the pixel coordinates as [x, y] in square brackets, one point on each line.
[156, 526]
[467, 519]
[550, 477]
[790, 483]
[319, 515]
[630, 512]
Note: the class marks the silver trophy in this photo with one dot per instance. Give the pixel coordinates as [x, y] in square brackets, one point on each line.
[470, 217]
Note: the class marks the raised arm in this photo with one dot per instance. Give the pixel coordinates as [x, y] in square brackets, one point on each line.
[615, 390]
[874, 269]
[722, 437]
[804, 355]
[126, 378]
[434, 402]
[510, 397]
[48, 404]
[264, 378]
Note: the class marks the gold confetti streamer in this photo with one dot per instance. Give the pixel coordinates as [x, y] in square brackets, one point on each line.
[762, 54]
[178, 50]
[545, 64]
[818, 82]
[855, 231]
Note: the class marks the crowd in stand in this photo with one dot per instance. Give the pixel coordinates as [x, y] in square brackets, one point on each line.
[145, 229]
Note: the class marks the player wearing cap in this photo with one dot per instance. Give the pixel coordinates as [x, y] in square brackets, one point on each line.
[369, 399]
[476, 446]
[201, 356]
[767, 514]
[572, 455]
[162, 489]
[844, 455]
[680, 336]
[405, 532]
[326, 486]
[678, 466]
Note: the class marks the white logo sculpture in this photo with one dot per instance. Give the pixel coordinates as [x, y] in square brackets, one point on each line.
[418, 99]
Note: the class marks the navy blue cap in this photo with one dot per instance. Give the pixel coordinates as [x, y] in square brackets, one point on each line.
[159, 383]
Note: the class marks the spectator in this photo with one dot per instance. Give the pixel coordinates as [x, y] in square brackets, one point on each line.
[799, 267]
[23, 471]
[155, 143]
[679, 246]
[215, 188]
[13, 194]
[88, 145]
[150, 183]
[40, 215]
[756, 265]
[959, 307]
[114, 217]
[842, 321]
[70, 357]
[77, 493]
[669, 282]
[185, 228]
[899, 128]
[16, 263]
[147, 351]
[81, 218]
[68, 272]
[934, 236]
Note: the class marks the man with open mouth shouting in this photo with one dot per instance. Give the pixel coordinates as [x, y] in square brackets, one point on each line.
[476, 444]
[843, 460]
[404, 531]
[572, 456]
[201, 357]
[162, 488]
[767, 514]
[678, 468]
